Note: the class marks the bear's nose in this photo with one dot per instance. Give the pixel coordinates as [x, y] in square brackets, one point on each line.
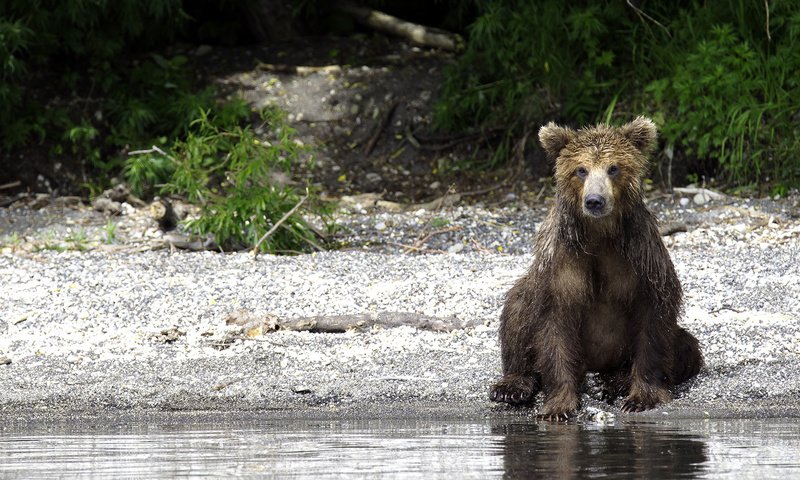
[594, 203]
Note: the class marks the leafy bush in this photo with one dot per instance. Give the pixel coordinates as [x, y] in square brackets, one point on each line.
[238, 179]
[720, 80]
[78, 77]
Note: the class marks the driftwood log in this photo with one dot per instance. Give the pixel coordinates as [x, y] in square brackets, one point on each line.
[164, 214]
[430, 37]
[257, 325]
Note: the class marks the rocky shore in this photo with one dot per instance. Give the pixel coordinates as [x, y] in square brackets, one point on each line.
[99, 315]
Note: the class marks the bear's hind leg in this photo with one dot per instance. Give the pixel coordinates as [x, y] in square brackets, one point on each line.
[688, 359]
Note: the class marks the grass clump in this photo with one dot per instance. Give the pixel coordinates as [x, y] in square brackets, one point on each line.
[240, 181]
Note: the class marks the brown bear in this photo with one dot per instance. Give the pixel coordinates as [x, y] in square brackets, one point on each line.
[602, 294]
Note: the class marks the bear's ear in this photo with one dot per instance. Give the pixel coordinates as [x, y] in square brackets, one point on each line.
[554, 138]
[641, 133]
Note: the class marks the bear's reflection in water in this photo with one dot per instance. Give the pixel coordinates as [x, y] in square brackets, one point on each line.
[561, 451]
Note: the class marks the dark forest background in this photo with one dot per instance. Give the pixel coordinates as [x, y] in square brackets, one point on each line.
[90, 80]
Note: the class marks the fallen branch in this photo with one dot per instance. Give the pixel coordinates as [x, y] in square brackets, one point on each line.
[420, 34]
[302, 70]
[412, 248]
[446, 200]
[420, 242]
[277, 224]
[14, 184]
[254, 326]
[16, 198]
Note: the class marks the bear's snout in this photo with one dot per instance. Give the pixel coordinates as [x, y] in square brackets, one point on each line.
[598, 194]
[595, 204]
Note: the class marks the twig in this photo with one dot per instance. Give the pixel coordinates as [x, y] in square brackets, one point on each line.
[379, 130]
[14, 184]
[418, 244]
[277, 224]
[480, 248]
[766, 23]
[412, 248]
[149, 150]
[725, 307]
[422, 145]
[488, 189]
[541, 191]
[642, 14]
[226, 383]
[427, 237]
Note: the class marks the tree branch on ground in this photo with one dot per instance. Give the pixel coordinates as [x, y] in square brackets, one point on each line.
[428, 36]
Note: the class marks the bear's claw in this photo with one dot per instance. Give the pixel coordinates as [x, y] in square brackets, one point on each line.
[514, 390]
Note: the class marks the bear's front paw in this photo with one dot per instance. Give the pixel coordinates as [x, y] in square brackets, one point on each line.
[560, 405]
[642, 399]
[514, 390]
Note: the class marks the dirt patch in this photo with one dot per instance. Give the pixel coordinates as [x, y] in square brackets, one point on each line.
[366, 104]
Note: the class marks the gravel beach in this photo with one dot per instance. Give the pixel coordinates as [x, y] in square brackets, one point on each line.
[94, 330]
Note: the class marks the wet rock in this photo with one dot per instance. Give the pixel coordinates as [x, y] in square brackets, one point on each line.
[107, 206]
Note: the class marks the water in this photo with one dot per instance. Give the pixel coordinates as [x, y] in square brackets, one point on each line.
[403, 448]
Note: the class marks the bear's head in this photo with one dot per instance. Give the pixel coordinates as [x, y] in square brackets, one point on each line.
[599, 169]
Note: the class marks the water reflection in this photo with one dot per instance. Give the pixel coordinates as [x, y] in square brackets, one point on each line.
[485, 448]
[570, 451]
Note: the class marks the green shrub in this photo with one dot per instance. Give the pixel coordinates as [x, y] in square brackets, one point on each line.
[239, 180]
[722, 87]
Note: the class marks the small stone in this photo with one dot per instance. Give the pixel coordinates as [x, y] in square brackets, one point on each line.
[73, 359]
[701, 198]
[373, 177]
[380, 226]
[684, 201]
[510, 197]
[455, 248]
[301, 389]
[434, 185]
[202, 50]
[5, 361]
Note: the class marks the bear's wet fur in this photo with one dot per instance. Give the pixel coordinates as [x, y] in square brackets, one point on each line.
[602, 294]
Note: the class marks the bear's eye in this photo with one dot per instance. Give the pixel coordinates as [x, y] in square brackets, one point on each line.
[581, 172]
[613, 170]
